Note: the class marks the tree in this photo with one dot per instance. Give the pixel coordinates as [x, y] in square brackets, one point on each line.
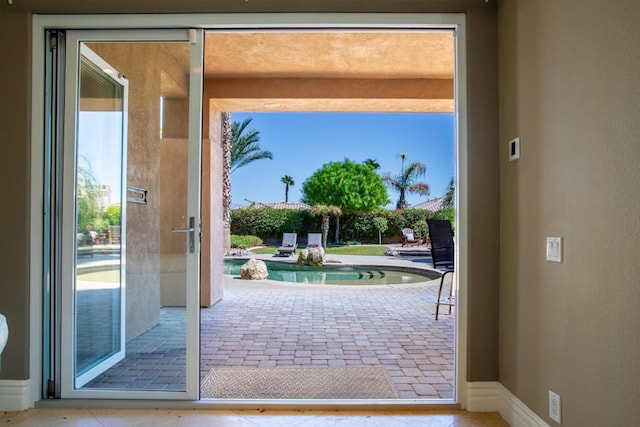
[89, 209]
[287, 181]
[351, 186]
[238, 149]
[407, 181]
[450, 195]
[325, 211]
[372, 163]
[381, 224]
[245, 147]
[227, 139]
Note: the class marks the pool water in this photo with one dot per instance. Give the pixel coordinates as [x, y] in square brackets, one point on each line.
[336, 275]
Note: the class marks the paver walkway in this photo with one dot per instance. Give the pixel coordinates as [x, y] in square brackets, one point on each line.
[269, 324]
[273, 324]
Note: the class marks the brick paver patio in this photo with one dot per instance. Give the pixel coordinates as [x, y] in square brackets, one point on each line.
[275, 324]
[266, 324]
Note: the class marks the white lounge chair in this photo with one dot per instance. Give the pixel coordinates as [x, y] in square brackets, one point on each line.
[314, 240]
[289, 243]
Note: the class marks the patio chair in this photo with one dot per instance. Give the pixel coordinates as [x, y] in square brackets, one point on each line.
[442, 256]
[289, 243]
[314, 240]
[408, 238]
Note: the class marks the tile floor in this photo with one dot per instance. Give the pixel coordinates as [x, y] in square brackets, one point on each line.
[247, 418]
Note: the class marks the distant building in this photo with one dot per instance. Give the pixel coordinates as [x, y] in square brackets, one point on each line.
[105, 194]
[432, 205]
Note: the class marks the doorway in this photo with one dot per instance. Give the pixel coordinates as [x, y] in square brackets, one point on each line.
[187, 227]
[302, 73]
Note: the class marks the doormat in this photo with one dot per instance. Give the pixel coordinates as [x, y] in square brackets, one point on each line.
[352, 382]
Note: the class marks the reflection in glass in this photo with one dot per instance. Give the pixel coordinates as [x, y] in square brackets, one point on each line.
[99, 181]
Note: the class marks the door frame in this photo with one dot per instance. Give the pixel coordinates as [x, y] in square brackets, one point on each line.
[195, 38]
[251, 22]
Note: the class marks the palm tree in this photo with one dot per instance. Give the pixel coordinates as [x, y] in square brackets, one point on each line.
[238, 150]
[407, 181]
[450, 195]
[372, 163]
[325, 211]
[226, 178]
[287, 181]
[245, 148]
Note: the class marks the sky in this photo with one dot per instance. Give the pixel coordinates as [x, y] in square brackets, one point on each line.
[302, 142]
[99, 136]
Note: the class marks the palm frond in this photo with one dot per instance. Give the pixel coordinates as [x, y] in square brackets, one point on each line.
[419, 188]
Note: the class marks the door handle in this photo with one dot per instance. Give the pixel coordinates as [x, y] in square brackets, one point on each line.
[191, 233]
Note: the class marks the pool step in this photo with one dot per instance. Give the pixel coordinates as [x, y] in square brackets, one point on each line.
[368, 275]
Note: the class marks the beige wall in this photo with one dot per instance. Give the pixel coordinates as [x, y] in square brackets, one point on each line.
[212, 247]
[482, 135]
[569, 88]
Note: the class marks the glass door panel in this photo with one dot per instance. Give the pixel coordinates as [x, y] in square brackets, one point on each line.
[100, 180]
[135, 281]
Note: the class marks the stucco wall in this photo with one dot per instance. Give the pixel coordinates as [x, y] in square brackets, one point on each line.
[482, 184]
[569, 88]
[143, 170]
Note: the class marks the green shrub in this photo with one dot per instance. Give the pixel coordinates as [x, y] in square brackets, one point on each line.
[420, 229]
[269, 223]
[245, 241]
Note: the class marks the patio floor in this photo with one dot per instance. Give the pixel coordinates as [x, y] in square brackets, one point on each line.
[267, 324]
[270, 324]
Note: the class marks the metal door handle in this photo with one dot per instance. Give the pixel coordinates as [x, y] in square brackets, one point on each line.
[191, 233]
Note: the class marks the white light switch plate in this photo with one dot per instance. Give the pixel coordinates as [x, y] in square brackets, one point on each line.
[554, 249]
[514, 149]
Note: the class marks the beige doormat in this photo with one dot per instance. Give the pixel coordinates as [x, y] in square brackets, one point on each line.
[357, 382]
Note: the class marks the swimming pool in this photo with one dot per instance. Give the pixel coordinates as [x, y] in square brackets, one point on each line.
[336, 274]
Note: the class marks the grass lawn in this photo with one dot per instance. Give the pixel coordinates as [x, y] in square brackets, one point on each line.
[337, 250]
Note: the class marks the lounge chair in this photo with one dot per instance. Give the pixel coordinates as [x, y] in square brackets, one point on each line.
[314, 240]
[408, 238]
[289, 244]
[443, 257]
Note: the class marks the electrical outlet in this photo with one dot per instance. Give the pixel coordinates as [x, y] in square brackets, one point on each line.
[554, 407]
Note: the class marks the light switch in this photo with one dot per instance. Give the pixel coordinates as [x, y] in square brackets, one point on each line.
[554, 249]
[514, 149]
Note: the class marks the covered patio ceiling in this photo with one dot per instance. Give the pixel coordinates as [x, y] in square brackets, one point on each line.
[372, 71]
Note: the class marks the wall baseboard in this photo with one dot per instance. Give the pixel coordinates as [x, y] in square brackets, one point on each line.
[491, 396]
[14, 395]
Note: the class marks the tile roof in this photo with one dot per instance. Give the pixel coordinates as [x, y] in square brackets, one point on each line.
[432, 205]
[280, 205]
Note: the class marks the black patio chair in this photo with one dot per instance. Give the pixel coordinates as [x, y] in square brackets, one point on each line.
[443, 257]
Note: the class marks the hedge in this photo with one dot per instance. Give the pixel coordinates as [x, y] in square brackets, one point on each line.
[269, 223]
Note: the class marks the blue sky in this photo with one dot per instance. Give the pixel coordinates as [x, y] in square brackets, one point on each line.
[302, 142]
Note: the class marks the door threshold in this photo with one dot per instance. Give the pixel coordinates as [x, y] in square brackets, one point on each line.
[274, 405]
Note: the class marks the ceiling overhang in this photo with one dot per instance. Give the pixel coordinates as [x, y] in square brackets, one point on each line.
[408, 71]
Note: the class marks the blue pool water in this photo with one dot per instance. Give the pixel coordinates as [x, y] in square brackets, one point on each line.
[336, 275]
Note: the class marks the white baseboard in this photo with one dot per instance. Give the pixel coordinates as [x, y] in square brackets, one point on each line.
[14, 395]
[491, 396]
